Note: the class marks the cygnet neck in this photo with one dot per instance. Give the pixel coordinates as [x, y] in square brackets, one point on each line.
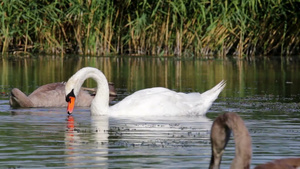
[220, 134]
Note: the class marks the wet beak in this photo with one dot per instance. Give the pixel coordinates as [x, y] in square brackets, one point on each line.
[71, 104]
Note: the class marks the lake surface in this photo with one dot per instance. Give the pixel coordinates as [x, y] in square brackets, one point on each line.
[265, 94]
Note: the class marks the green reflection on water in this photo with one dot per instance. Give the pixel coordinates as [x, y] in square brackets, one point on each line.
[270, 78]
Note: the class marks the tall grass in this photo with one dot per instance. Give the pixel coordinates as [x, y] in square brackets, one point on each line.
[178, 28]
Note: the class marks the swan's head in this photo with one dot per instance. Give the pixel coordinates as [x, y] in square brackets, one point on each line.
[70, 98]
[72, 89]
[74, 84]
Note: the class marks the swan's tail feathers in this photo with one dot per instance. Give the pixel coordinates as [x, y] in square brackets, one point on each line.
[19, 99]
[212, 94]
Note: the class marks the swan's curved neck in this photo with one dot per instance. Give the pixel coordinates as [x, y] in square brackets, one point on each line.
[220, 134]
[100, 103]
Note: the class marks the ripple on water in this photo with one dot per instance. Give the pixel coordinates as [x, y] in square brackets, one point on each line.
[38, 138]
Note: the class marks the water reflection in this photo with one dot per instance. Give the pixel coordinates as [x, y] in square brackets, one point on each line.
[108, 140]
[45, 137]
[133, 73]
[265, 94]
[159, 142]
[86, 147]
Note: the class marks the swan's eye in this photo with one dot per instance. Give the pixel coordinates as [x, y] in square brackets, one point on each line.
[71, 94]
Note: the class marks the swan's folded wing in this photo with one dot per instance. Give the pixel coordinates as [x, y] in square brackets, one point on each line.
[156, 102]
[48, 87]
[49, 95]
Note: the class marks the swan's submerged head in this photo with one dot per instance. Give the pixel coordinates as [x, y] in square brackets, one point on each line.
[72, 88]
[70, 98]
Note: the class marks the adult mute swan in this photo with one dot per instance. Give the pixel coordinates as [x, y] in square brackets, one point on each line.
[53, 95]
[220, 135]
[155, 101]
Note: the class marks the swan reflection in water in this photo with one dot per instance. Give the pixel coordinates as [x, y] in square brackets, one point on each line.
[86, 147]
[89, 147]
[84, 141]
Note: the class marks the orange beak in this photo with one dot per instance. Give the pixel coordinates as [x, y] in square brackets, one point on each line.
[71, 104]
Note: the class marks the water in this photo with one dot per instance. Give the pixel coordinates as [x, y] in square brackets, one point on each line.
[266, 95]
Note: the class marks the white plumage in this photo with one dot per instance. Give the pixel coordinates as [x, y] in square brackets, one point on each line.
[157, 101]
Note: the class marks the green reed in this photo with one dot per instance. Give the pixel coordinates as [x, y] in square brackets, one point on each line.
[172, 28]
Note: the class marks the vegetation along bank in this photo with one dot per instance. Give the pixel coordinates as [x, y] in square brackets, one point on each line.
[165, 28]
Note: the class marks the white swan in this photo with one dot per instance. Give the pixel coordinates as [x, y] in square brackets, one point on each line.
[156, 101]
